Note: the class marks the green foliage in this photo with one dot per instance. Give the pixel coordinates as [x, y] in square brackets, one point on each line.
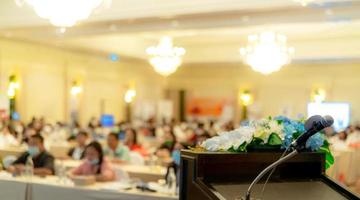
[274, 139]
[241, 148]
[329, 158]
[296, 135]
[256, 142]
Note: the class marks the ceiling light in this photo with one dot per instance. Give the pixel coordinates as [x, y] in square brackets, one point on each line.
[304, 2]
[267, 52]
[64, 13]
[165, 58]
[130, 94]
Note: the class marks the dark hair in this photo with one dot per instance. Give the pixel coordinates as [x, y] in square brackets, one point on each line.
[38, 137]
[98, 148]
[205, 135]
[201, 125]
[115, 135]
[357, 127]
[83, 133]
[171, 132]
[345, 134]
[165, 147]
[134, 140]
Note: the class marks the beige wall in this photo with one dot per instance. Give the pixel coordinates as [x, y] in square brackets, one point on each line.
[46, 74]
[288, 89]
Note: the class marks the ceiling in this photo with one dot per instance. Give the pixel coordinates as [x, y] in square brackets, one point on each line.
[210, 30]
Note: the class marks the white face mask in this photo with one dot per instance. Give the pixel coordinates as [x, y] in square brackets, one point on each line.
[33, 151]
[93, 161]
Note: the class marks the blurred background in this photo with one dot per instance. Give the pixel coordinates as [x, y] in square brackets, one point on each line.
[177, 71]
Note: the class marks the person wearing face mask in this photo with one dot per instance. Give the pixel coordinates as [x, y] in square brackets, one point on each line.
[95, 164]
[43, 161]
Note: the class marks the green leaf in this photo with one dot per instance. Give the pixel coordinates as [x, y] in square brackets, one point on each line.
[241, 148]
[257, 142]
[296, 135]
[274, 139]
[329, 158]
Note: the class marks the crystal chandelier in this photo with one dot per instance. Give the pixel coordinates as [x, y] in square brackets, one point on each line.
[304, 2]
[267, 52]
[64, 13]
[165, 58]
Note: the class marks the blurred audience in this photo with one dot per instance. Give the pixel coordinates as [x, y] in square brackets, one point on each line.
[101, 147]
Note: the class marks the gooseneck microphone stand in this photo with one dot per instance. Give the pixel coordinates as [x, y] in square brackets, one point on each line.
[267, 169]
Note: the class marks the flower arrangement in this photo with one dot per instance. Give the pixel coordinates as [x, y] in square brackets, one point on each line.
[278, 132]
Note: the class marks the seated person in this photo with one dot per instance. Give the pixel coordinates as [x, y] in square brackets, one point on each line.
[78, 152]
[169, 137]
[29, 131]
[201, 138]
[131, 142]
[7, 136]
[43, 161]
[163, 153]
[95, 164]
[116, 151]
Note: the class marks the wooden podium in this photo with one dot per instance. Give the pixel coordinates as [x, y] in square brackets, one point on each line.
[207, 175]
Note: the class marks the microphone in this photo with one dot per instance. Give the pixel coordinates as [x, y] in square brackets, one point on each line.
[313, 125]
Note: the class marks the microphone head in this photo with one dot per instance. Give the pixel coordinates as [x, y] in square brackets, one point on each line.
[313, 119]
[327, 121]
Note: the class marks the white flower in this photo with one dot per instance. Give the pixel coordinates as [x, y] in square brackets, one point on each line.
[212, 144]
[241, 135]
[230, 139]
[265, 127]
[277, 128]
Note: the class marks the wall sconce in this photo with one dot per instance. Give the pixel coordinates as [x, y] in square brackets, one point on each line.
[319, 95]
[129, 95]
[246, 98]
[76, 88]
[13, 86]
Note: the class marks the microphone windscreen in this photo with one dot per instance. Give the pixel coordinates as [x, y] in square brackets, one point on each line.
[328, 121]
[310, 122]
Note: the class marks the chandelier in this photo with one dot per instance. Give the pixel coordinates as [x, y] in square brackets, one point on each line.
[267, 52]
[64, 13]
[165, 58]
[304, 2]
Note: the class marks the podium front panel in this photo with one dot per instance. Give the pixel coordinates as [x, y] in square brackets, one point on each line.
[224, 175]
